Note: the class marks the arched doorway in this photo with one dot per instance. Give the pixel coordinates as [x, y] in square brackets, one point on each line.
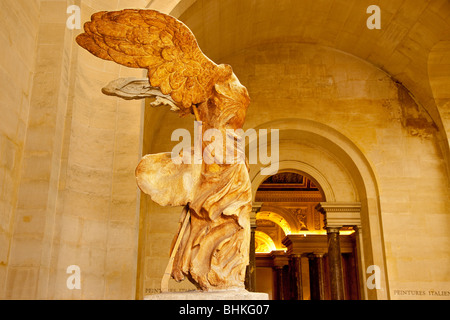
[289, 218]
[347, 183]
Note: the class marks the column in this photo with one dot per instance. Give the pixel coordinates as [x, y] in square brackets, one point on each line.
[295, 268]
[321, 275]
[335, 264]
[316, 275]
[281, 279]
[251, 268]
[286, 283]
[250, 279]
[278, 283]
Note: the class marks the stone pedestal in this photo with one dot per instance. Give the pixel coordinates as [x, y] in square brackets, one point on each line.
[211, 295]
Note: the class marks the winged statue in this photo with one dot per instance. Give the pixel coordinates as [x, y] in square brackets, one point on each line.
[211, 248]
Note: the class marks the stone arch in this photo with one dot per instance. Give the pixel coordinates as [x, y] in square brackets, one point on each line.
[439, 76]
[354, 166]
[304, 169]
[285, 222]
[264, 242]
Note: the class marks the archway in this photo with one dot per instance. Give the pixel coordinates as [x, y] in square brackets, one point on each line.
[289, 200]
[345, 176]
[439, 75]
[273, 217]
[264, 243]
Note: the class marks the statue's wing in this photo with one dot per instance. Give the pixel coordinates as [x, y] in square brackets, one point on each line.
[132, 88]
[159, 43]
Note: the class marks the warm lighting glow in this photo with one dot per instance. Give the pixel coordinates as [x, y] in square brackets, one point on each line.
[263, 242]
[276, 218]
[324, 232]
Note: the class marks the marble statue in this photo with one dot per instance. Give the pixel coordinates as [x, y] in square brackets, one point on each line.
[211, 247]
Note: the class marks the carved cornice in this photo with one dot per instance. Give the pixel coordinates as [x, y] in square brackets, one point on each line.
[325, 207]
[256, 207]
[340, 214]
[300, 244]
[279, 258]
[288, 196]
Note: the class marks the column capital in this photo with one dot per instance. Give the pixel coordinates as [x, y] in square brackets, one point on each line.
[256, 207]
[334, 229]
[276, 267]
[301, 244]
[314, 255]
[340, 214]
[318, 254]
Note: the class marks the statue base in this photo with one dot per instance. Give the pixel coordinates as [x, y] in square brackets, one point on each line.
[209, 295]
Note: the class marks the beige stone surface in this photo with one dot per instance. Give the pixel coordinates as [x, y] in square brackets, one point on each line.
[67, 166]
[18, 62]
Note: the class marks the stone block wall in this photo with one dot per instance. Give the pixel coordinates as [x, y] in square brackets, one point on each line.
[19, 25]
[68, 157]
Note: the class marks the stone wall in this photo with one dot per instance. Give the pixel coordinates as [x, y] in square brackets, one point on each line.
[19, 25]
[70, 165]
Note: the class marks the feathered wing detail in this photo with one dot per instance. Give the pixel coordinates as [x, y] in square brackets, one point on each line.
[159, 43]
